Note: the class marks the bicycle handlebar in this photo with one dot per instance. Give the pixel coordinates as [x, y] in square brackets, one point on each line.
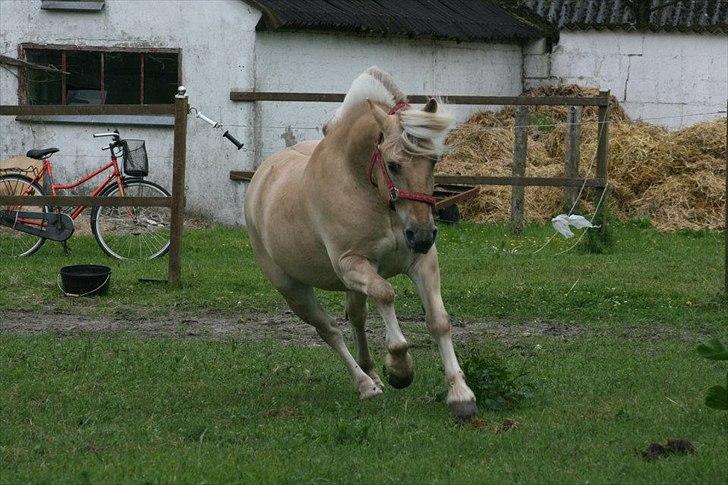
[99, 135]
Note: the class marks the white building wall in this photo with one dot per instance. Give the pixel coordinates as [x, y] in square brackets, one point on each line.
[217, 40]
[670, 76]
[328, 63]
[220, 50]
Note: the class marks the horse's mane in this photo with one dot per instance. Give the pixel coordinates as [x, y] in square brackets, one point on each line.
[423, 132]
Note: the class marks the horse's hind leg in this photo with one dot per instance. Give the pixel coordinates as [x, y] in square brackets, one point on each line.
[356, 309]
[302, 301]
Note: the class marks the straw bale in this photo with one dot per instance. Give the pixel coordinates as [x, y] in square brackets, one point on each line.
[674, 177]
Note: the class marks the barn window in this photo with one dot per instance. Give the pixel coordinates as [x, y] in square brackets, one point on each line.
[100, 75]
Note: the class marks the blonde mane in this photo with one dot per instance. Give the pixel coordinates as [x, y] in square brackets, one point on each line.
[423, 132]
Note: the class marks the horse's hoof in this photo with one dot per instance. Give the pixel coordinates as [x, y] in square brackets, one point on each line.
[400, 382]
[377, 381]
[369, 392]
[463, 411]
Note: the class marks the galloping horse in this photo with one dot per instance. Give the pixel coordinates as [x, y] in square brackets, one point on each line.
[350, 211]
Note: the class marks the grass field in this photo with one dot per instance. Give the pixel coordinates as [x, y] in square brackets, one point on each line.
[647, 278]
[119, 408]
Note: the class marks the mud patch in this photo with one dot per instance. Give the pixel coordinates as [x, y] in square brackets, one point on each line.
[286, 328]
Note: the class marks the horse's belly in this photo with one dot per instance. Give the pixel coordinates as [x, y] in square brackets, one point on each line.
[280, 228]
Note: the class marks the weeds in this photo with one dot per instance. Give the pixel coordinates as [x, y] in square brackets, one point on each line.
[496, 386]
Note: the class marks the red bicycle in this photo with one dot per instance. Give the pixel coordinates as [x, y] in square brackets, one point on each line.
[122, 232]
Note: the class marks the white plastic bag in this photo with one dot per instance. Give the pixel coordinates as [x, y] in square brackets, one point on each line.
[562, 222]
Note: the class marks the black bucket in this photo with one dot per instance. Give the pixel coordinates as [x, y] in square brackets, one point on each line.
[85, 280]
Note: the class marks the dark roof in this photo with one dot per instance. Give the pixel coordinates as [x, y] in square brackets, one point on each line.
[460, 20]
[657, 15]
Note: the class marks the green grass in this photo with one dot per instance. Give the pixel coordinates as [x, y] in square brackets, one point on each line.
[645, 278]
[117, 409]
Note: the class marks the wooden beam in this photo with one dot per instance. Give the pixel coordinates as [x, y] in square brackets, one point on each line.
[11, 61]
[457, 198]
[603, 162]
[245, 176]
[522, 181]
[572, 156]
[174, 270]
[85, 109]
[241, 175]
[520, 145]
[252, 96]
[83, 200]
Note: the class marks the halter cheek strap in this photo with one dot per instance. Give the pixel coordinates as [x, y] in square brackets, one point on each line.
[378, 160]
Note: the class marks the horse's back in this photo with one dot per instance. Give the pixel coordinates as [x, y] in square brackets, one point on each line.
[278, 174]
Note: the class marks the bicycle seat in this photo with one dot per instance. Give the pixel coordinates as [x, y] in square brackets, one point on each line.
[39, 154]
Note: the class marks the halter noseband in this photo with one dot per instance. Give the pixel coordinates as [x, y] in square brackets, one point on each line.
[394, 193]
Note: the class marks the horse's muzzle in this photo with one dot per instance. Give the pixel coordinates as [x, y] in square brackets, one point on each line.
[420, 238]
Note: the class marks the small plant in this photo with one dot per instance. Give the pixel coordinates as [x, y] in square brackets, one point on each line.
[496, 386]
[717, 397]
[598, 240]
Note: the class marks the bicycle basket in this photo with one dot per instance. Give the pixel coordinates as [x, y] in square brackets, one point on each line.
[135, 158]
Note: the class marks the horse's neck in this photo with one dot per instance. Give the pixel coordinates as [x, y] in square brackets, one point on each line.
[349, 147]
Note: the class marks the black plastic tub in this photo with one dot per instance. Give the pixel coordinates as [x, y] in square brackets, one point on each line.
[85, 279]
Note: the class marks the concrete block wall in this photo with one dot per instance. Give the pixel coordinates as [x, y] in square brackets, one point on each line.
[669, 78]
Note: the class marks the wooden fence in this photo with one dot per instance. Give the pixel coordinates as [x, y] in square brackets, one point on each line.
[176, 203]
[571, 181]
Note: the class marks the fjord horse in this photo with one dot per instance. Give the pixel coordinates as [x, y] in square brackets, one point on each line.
[350, 211]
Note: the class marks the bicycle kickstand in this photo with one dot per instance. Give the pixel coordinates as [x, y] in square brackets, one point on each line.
[66, 247]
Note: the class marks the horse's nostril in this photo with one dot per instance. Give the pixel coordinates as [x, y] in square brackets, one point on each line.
[410, 235]
[434, 234]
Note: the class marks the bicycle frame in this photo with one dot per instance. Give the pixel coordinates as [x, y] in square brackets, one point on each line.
[115, 175]
[47, 169]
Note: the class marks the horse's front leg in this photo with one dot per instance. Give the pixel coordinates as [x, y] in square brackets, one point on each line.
[359, 275]
[425, 274]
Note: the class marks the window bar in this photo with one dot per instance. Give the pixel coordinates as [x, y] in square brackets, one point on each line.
[141, 89]
[63, 77]
[103, 94]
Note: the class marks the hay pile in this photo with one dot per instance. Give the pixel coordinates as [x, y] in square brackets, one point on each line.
[674, 178]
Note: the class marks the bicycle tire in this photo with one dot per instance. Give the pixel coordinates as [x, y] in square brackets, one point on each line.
[41, 240]
[97, 215]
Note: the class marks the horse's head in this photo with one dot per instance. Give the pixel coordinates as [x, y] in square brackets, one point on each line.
[413, 141]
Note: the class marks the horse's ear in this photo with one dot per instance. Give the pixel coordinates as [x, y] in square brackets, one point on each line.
[379, 115]
[431, 106]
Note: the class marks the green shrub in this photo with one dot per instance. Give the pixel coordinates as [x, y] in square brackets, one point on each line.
[496, 385]
[717, 397]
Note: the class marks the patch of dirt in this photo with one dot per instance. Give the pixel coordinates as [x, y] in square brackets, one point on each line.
[287, 328]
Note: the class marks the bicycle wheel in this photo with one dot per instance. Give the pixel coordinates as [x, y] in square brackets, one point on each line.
[14, 243]
[133, 232]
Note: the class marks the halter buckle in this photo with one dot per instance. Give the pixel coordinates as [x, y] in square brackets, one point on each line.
[393, 194]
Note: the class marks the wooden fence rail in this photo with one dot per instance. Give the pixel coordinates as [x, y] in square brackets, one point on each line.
[176, 202]
[571, 181]
[253, 96]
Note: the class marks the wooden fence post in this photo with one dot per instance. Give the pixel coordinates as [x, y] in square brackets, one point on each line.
[603, 161]
[572, 157]
[519, 168]
[178, 187]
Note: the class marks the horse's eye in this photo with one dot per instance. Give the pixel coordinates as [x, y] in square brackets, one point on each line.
[393, 167]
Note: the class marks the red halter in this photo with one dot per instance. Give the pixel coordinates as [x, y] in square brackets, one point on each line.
[394, 193]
